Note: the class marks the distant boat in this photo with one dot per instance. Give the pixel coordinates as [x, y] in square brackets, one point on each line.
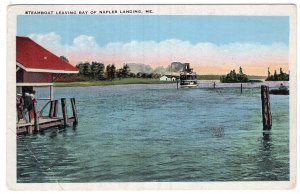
[283, 90]
[188, 78]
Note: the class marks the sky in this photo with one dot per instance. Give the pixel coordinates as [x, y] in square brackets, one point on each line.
[212, 44]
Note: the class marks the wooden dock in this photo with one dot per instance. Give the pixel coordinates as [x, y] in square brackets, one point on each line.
[45, 123]
[40, 123]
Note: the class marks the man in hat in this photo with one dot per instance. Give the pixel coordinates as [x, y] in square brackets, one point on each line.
[28, 106]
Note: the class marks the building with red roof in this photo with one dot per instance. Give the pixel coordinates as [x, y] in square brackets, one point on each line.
[36, 65]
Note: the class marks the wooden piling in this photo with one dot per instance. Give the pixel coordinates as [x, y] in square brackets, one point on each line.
[214, 85]
[51, 110]
[177, 83]
[241, 88]
[29, 116]
[51, 93]
[29, 130]
[64, 112]
[266, 112]
[36, 117]
[55, 108]
[74, 110]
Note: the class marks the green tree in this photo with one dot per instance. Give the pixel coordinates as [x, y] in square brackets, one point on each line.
[275, 76]
[112, 73]
[93, 69]
[84, 68]
[132, 74]
[282, 74]
[119, 73]
[234, 75]
[123, 72]
[79, 67]
[64, 58]
[241, 71]
[97, 70]
[107, 72]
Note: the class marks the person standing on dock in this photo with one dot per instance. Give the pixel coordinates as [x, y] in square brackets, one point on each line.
[27, 108]
[20, 104]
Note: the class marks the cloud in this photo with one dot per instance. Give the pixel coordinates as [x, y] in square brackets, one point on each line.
[203, 56]
[51, 41]
[84, 42]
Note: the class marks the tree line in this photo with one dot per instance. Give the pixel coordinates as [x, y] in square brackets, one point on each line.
[99, 71]
[278, 77]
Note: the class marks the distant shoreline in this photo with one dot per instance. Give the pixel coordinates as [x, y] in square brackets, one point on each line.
[126, 81]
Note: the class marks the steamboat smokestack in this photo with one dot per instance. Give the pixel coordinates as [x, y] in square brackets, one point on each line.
[187, 67]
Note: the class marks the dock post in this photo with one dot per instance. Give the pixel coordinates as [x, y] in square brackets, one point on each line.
[36, 117]
[51, 93]
[266, 112]
[241, 88]
[74, 110]
[214, 85]
[55, 108]
[177, 83]
[64, 111]
[29, 129]
[51, 110]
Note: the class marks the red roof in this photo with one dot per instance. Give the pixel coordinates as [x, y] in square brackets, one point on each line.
[34, 58]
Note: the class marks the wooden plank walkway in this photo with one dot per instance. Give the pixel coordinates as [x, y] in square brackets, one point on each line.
[44, 123]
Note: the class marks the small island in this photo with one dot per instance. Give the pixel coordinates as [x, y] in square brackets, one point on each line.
[234, 77]
[277, 77]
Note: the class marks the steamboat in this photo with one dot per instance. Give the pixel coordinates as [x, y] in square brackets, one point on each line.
[188, 78]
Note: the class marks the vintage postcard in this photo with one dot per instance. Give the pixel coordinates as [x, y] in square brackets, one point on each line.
[151, 97]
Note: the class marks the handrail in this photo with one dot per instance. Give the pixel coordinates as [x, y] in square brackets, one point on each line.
[42, 109]
[43, 99]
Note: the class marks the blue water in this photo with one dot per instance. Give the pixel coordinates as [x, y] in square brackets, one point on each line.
[157, 133]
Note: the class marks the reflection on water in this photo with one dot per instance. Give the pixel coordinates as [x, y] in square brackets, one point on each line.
[157, 133]
[266, 160]
[266, 136]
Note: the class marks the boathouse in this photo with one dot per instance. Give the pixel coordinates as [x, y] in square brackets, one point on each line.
[38, 67]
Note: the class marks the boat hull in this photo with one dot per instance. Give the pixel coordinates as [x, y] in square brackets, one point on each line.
[189, 84]
[279, 92]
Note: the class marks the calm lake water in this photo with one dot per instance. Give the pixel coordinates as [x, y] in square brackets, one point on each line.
[157, 133]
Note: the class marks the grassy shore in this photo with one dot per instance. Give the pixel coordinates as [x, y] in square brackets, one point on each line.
[114, 82]
[208, 77]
